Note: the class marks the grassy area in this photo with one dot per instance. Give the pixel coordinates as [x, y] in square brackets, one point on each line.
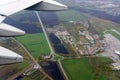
[34, 76]
[114, 34]
[78, 69]
[70, 50]
[92, 28]
[81, 69]
[101, 68]
[57, 57]
[101, 25]
[22, 14]
[69, 3]
[36, 44]
[71, 15]
[103, 60]
[22, 65]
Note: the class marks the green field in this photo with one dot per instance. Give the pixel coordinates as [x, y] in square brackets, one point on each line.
[102, 60]
[35, 75]
[36, 44]
[101, 25]
[29, 78]
[80, 69]
[114, 34]
[71, 15]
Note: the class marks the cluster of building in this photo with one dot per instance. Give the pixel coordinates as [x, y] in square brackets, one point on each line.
[88, 44]
[91, 44]
[94, 43]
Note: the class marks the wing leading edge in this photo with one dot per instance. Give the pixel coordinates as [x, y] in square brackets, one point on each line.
[10, 7]
[48, 5]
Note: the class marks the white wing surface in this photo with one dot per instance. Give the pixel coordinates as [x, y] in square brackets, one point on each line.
[8, 57]
[12, 6]
[2, 18]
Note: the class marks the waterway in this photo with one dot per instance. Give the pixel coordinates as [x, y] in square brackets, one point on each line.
[59, 48]
[52, 69]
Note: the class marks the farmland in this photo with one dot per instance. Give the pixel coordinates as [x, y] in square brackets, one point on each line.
[71, 15]
[81, 69]
[101, 25]
[36, 44]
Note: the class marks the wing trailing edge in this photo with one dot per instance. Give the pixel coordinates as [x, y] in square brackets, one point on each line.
[48, 5]
[9, 57]
[8, 30]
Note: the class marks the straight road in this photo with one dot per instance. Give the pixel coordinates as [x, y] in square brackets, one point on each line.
[50, 46]
[32, 58]
[45, 33]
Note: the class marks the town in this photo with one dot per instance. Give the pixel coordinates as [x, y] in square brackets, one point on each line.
[88, 44]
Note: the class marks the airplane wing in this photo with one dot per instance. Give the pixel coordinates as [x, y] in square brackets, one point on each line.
[9, 57]
[9, 7]
[2, 18]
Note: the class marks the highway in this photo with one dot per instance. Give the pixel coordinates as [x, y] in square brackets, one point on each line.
[45, 33]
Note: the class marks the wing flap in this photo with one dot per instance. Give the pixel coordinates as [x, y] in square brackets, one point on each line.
[8, 56]
[8, 30]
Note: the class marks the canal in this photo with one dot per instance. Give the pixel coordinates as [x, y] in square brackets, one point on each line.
[59, 48]
[52, 69]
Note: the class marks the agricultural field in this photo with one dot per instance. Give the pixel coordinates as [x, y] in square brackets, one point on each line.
[36, 44]
[101, 25]
[69, 3]
[78, 69]
[71, 15]
[114, 34]
[81, 69]
[36, 75]
[23, 16]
